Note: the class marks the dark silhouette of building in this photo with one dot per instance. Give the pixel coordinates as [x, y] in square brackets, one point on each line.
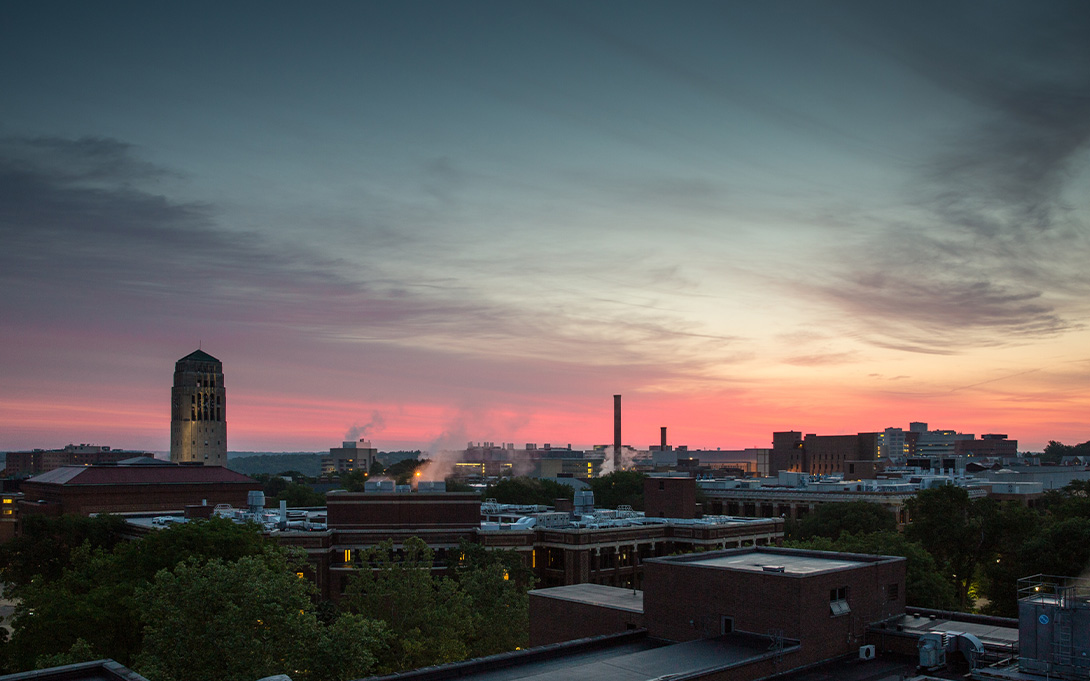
[198, 416]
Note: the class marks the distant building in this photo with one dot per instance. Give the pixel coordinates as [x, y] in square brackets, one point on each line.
[601, 547]
[855, 455]
[122, 488]
[45, 460]
[198, 416]
[9, 514]
[350, 456]
[992, 444]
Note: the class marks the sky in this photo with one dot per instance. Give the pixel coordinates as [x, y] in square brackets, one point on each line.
[430, 223]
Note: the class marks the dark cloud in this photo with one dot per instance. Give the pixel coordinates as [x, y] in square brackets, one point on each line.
[87, 238]
[998, 251]
[79, 222]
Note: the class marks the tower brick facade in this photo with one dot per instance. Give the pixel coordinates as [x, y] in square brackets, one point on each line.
[198, 411]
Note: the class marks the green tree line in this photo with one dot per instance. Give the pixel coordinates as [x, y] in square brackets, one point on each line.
[961, 551]
[212, 599]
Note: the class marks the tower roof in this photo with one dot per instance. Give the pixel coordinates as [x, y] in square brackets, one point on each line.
[199, 356]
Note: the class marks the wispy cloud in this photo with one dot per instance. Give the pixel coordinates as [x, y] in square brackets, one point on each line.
[87, 224]
[995, 253]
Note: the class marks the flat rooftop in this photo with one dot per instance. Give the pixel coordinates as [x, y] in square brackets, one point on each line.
[596, 594]
[629, 659]
[762, 562]
[776, 560]
[993, 635]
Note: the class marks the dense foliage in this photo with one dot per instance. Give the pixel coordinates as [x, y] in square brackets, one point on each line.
[983, 546]
[1055, 451]
[617, 488]
[434, 618]
[306, 463]
[854, 517]
[212, 599]
[524, 490]
[295, 491]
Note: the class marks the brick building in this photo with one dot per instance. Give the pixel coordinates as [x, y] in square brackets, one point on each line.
[672, 496]
[45, 460]
[134, 488]
[610, 552]
[817, 604]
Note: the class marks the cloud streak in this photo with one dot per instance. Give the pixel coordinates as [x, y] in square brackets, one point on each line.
[992, 256]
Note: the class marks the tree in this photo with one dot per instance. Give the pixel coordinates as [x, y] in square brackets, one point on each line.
[93, 596]
[79, 652]
[925, 585]
[429, 616]
[1073, 501]
[402, 470]
[1015, 525]
[1055, 451]
[297, 495]
[246, 619]
[44, 545]
[853, 517]
[617, 488]
[958, 532]
[496, 583]
[525, 490]
[353, 481]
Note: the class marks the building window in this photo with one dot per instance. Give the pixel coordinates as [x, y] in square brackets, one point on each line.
[726, 625]
[838, 601]
[893, 591]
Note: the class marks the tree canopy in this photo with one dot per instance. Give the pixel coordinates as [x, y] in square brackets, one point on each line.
[482, 609]
[525, 490]
[925, 584]
[853, 517]
[617, 488]
[251, 618]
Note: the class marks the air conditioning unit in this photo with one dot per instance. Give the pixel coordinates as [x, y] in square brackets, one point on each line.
[866, 652]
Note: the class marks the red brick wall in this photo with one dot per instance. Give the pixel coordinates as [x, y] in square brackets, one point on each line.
[85, 500]
[385, 510]
[685, 602]
[669, 497]
[553, 620]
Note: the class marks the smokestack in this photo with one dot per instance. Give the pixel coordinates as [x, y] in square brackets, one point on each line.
[616, 432]
[662, 439]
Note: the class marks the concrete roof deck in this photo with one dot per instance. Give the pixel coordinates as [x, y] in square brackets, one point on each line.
[629, 658]
[596, 594]
[774, 560]
[989, 634]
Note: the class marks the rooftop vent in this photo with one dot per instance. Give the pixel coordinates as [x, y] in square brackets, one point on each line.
[774, 568]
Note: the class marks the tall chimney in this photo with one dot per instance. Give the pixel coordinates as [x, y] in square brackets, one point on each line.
[616, 432]
[662, 439]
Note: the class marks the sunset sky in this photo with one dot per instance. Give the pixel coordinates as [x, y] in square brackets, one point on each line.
[435, 222]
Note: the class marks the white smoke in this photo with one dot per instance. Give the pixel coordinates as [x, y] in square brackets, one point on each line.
[627, 459]
[375, 425]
